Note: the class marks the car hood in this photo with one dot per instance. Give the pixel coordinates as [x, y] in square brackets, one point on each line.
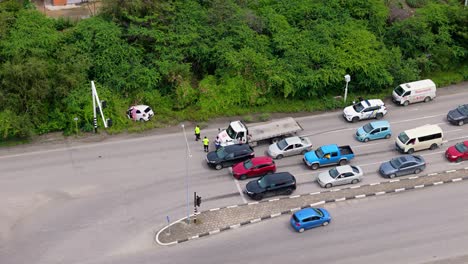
[273, 148]
[452, 151]
[253, 187]
[239, 168]
[310, 156]
[455, 115]
[361, 131]
[349, 110]
[325, 177]
[387, 168]
[211, 156]
[224, 137]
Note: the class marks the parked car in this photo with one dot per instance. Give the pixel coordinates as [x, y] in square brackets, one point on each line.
[340, 175]
[373, 108]
[309, 218]
[253, 167]
[289, 146]
[281, 183]
[374, 130]
[402, 165]
[459, 115]
[413, 92]
[457, 152]
[140, 113]
[229, 155]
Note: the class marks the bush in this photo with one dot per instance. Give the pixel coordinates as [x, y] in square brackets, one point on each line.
[264, 117]
[416, 3]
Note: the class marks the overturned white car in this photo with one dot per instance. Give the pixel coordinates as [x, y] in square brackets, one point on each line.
[140, 112]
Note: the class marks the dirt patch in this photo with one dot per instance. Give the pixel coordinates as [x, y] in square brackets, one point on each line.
[75, 12]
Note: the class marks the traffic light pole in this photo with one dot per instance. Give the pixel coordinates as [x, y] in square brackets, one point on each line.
[195, 207]
[96, 100]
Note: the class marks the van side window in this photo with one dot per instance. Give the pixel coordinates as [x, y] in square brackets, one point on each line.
[411, 141]
[430, 137]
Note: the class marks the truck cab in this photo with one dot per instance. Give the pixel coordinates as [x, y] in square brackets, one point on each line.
[236, 133]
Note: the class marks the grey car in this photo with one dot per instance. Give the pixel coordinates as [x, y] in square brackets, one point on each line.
[289, 146]
[402, 165]
[340, 175]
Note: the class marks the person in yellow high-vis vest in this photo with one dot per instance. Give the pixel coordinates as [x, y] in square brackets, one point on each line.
[206, 144]
[197, 133]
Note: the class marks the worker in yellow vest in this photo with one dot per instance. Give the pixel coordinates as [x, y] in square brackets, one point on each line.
[206, 144]
[197, 133]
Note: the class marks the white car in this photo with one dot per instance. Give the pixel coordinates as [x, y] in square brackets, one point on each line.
[366, 109]
[340, 175]
[289, 146]
[140, 113]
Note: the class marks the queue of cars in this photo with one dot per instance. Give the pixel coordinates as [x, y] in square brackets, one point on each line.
[245, 165]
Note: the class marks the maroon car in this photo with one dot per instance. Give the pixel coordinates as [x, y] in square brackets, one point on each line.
[254, 167]
[458, 152]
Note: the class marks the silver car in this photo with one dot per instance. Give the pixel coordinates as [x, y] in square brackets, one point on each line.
[340, 175]
[289, 146]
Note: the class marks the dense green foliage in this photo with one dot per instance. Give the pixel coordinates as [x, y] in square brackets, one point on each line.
[197, 59]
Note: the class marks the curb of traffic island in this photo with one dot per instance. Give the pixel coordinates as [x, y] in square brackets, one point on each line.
[216, 231]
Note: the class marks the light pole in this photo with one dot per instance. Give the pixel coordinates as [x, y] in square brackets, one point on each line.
[188, 155]
[347, 79]
[76, 125]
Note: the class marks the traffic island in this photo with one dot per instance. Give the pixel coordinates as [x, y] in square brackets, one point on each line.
[217, 220]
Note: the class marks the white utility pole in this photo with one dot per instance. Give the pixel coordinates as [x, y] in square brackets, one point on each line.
[347, 79]
[188, 154]
[96, 99]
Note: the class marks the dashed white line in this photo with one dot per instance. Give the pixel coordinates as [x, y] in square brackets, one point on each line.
[240, 191]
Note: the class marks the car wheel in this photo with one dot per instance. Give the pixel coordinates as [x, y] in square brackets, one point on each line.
[366, 139]
[459, 160]
[243, 177]
[410, 151]
[141, 119]
[460, 123]
[314, 166]
[391, 176]
[288, 191]
[301, 230]
[279, 157]
[355, 119]
[416, 171]
[406, 103]
[218, 166]
[258, 197]
[433, 146]
[343, 162]
[427, 99]
[328, 185]
[354, 181]
[325, 223]
[388, 136]
[379, 116]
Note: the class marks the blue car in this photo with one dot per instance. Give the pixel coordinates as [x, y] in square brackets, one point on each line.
[309, 218]
[374, 130]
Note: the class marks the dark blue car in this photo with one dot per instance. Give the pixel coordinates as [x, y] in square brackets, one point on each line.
[309, 218]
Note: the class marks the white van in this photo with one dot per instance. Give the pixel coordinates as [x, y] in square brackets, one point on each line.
[413, 92]
[420, 138]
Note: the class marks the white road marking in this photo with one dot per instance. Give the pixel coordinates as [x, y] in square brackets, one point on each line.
[414, 119]
[240, 191]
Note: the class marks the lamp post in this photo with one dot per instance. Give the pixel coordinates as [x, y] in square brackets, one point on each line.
[188, 155]
[76, 125]
[347, 79]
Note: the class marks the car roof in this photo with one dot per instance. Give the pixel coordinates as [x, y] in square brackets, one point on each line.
[237, 125]
[418, 84]
[372, 102]
[416, 132]
[344, 168]
[405, 158]
[237, 147]
[306, 213]
[293, 140]
[261, 160]
[279, 176]
[379, 124]
[329, 148]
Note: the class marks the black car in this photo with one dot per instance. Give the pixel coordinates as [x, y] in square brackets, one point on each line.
[458, 116]
[271, 184]
[229, 155]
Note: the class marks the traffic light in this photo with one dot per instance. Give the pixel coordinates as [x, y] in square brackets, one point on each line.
[198, 201]
[109, 122]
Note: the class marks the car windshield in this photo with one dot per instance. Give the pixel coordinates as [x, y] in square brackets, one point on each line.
[221, 153]
[399, 90]
[333, 173]
[248, 164]
[319, 152]
[230, 131]
[263, 182]
[396, 163]
[403, 137]
[463, 109]
[318, 212]
[367, 128]
[460, 147]
[282, 144]
[355, 169]
[358, 107]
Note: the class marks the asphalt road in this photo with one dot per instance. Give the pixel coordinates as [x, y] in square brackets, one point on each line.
[81, 203]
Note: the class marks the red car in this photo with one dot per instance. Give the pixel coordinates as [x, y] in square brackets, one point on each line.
[254, 167]
[458, 152]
